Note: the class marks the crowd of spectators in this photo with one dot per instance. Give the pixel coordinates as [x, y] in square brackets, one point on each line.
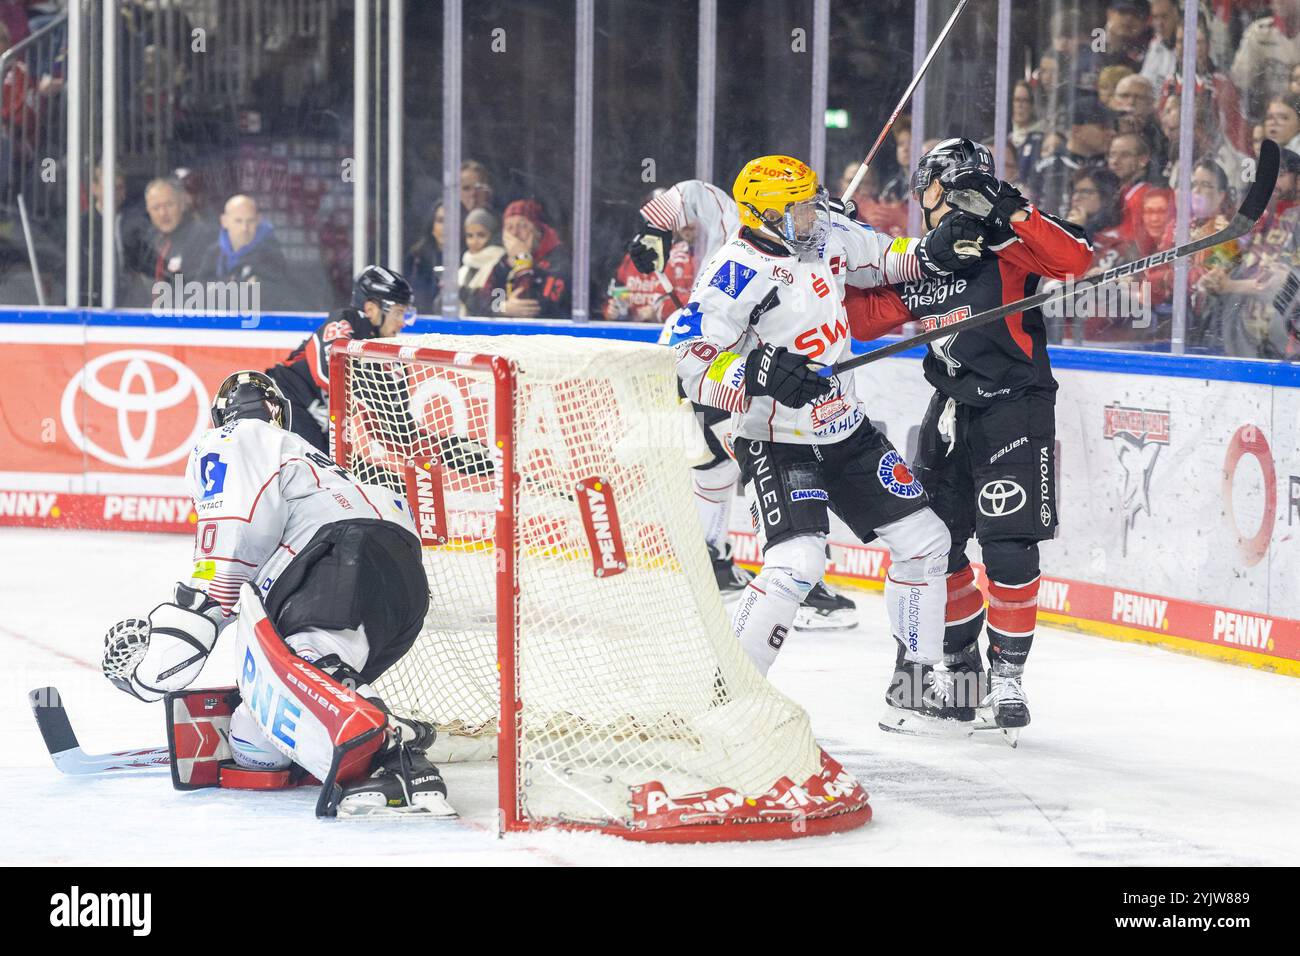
[1094, 136]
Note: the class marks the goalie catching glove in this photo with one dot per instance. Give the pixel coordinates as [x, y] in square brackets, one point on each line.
[787, 376]
[649, 248]
[149, 658]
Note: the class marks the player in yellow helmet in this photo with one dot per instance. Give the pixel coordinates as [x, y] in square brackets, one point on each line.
[765, 309]
[780, 197]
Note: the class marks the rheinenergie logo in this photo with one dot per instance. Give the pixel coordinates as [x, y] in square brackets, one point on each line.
[75, 909]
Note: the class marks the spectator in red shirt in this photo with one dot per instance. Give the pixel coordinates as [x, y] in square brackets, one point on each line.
[532, 279]
[1129, 158]
[1157, 208]
[1096, 204]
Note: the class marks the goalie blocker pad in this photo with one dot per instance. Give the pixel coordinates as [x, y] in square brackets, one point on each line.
[198, 732]
[317, 723]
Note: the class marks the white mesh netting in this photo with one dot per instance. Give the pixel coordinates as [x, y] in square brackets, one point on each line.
[623, 679]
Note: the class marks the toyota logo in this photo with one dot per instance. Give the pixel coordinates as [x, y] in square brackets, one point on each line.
[136, 392]
[1000, 497]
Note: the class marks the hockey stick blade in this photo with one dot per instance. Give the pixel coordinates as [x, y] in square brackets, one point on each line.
[65, 751]
[1248, 213]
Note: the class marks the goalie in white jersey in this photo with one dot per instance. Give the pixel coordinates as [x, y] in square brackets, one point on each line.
[334, 566]
[709, 215]
[767, 304]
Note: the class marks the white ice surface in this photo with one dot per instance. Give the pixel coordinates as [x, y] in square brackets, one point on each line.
[1135, 755]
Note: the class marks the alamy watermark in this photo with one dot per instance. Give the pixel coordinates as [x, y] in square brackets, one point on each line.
[223, 298]
[1112, 300]
[75, 908]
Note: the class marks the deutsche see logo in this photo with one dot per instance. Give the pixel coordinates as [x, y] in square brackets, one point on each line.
[75, 908]
[135, 404]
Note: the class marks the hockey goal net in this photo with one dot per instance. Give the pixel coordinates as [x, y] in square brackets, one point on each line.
[575, 631]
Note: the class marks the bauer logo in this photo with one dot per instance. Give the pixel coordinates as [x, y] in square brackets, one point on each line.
[896, 477]
[600, 521]
[76, 908]
[732, 278]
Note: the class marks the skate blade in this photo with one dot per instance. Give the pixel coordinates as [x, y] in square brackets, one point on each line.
[984, 720]
[894, 721]
[432, 807]
[835, 621]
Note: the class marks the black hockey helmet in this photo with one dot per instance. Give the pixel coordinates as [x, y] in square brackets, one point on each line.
[957, 153]
[377, 284]
[250, 394]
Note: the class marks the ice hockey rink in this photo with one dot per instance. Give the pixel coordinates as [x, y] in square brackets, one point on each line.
[1136, 755]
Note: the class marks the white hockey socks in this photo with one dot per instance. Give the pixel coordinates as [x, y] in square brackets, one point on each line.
[714, 489]
[766, 611]
[916, 589]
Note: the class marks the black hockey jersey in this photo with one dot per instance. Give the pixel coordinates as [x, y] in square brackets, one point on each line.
[304, 374]
[1008, 358]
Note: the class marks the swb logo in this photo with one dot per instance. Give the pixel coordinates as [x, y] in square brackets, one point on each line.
[77, 909]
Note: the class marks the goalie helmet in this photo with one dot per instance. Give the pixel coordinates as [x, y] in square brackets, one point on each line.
[250, 395]
[780, 196]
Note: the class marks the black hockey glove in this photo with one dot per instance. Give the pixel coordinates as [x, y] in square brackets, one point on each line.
[988, 199]
[955, 244]
[787, 376]
[845, 207]
[649, 248]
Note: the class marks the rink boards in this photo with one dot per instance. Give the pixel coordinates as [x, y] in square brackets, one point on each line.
[1178, 478]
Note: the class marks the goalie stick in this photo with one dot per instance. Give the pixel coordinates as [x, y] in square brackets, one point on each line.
[56, 729]
[1252, 207]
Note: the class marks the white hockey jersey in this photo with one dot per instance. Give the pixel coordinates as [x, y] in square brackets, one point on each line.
[709, 209]
[750, 294]
[260, 494]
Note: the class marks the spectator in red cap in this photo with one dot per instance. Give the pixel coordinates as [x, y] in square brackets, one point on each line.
[532, 279]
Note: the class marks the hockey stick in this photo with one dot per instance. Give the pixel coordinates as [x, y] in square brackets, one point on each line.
[903, 101]
[56, 728]
[1252, 207]
[667, 286]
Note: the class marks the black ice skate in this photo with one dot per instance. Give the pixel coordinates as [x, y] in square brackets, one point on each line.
[1006, 707]
[917, 700]
[405, 782]
[965, 685]
[825, 610]
[732, 578]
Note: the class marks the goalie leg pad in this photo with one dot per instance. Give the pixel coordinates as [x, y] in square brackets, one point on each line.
[249, 747]
[330, 731]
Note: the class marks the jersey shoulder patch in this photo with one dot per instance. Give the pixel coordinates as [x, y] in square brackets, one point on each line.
[732, 277]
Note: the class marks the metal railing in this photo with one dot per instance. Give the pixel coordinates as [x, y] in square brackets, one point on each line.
[33, 130]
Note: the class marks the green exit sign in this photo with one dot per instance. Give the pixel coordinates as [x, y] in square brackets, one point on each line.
[837, 119]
